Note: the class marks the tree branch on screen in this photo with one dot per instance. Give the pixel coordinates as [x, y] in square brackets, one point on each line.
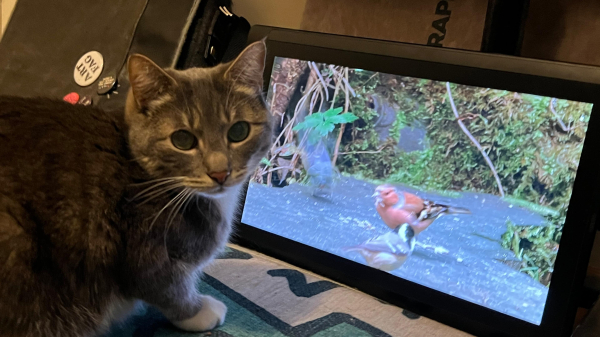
[474, 141]
[559, 120]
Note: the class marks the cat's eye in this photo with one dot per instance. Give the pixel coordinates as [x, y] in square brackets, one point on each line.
[183, 140]
[238, 132]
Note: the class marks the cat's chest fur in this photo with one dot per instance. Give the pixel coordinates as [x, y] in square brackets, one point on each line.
[189, 237]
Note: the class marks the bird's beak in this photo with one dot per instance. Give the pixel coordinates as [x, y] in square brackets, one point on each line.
[376, 194]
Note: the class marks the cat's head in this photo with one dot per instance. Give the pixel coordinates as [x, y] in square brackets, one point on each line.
[207, 128]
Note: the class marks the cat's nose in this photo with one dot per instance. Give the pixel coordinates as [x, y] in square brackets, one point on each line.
[219, 177]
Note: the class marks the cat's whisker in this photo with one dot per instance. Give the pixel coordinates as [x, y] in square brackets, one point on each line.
[197, 187]
[182, 203]
[192, 194]
[142, 193]
[189, 180]
[198, 207]
[180, 178]
[163, 209]
[174, 209]
[151, 196]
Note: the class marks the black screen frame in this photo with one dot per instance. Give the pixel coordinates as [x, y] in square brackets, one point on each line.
[561, 80]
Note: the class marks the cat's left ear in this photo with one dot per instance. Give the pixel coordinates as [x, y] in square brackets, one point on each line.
[247, 70]
[148, 81]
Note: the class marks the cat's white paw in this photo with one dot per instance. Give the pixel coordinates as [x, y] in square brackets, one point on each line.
[209, 317]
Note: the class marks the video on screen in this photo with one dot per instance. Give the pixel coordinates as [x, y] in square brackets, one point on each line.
[457, 188]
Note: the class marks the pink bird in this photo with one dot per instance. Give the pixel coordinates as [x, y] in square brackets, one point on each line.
[398, 207]
[407, 215]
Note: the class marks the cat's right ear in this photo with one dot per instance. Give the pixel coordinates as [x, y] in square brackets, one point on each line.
[246, 71]
[148, 81]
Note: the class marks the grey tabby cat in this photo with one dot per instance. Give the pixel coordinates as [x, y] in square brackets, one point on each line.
[99, 209]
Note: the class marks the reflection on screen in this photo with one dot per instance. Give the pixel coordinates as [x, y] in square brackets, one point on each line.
[457, 188]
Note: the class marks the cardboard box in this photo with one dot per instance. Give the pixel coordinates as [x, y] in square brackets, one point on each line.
[563, 30]
[452, 23]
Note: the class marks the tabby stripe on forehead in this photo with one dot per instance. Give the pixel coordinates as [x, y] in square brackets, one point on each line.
[155, 104]
[196, 122]
[192, 119]
[246, 90]
[225, 116]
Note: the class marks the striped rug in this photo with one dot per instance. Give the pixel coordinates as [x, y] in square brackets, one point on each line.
[267, 297]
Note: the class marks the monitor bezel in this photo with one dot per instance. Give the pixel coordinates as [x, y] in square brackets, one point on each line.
[568, 81]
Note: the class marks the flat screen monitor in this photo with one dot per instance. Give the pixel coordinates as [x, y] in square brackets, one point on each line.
[417, 173]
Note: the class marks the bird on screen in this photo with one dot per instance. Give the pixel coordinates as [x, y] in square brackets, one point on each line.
[407, 215]
[397, 207]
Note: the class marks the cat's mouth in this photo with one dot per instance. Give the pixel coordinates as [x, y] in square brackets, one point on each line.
[216, 192]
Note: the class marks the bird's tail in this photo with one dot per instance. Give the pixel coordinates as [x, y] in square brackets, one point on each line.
[457, 210]
[435, 211]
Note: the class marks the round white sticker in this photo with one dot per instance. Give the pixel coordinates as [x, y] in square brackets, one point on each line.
[88, 68]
